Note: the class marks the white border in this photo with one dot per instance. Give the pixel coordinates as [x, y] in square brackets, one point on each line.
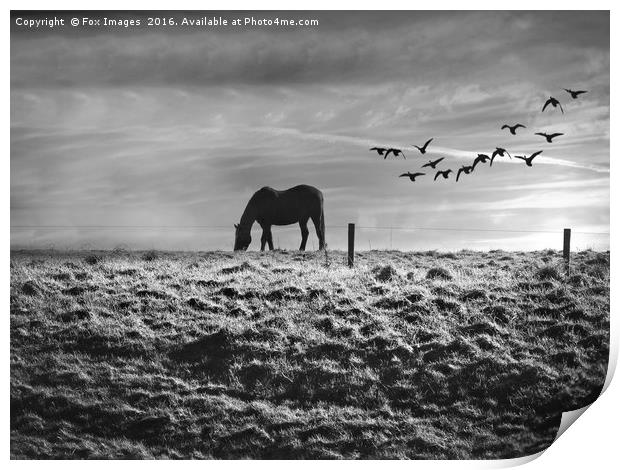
[591, 443]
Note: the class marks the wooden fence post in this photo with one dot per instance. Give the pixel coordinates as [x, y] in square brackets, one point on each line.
[351, 245]
[566, 251]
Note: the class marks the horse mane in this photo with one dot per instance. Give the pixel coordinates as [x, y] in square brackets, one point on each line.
[249, 214]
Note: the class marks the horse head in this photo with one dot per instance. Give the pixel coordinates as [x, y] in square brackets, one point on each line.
[242, 238]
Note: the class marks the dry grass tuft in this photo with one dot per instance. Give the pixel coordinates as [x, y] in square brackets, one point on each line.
[549, 272]
[439, 273]
[150, 255]
[92, 259]
[385, 273]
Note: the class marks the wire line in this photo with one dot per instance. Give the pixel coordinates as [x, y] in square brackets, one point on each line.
[220, 227]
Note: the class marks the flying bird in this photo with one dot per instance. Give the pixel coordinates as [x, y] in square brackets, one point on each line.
[412, 176]
[499, 151]
[433, 164]
[444, 173]
[553, 102]
[528, 160]
[481, 158]
[549, 137]
[396, 153]
[464, 169]
[513, 129]
[575, 94]
[423, 148]
[379, 150]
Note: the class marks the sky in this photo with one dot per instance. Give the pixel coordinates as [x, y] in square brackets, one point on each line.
[156, 137]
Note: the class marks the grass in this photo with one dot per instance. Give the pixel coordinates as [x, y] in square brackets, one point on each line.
[278, 355]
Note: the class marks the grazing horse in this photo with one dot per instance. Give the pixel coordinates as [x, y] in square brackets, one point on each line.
[271, 207]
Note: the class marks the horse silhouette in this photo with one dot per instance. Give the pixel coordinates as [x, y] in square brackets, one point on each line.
[269, 207]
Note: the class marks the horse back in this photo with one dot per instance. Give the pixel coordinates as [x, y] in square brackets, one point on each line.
[302, 192]
[288, 206]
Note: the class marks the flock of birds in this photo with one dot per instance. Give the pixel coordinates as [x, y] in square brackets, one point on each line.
[481, 158]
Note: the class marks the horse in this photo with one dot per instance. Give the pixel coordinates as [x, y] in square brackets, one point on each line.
[269, 207]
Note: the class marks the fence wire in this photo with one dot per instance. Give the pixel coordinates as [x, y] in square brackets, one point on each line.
[226, 227]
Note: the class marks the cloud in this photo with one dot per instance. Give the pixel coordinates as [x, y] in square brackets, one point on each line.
[451, 152]
[406, 46]
[145, 127]
[464, 95]
[560, 184]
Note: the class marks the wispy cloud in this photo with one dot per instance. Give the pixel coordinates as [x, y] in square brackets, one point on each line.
[407, 148]
[182, 127]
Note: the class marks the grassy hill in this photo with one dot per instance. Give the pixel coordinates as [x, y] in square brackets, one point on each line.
[292, 355]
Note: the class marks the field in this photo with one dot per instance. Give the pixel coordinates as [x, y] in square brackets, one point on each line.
[293, 355]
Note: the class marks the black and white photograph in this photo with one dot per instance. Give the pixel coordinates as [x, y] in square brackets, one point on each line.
[306, 234]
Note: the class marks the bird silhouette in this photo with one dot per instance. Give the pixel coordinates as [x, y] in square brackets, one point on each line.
[464, 169]
[528, 160]
[481, 158]
[433, 164]
[412, 176]
[513, 129]
[444, 173]
[379, 150]
[553, 102]
[549, 137]
[499, 151]
[575, 94]
[423, 148]
[396, 153]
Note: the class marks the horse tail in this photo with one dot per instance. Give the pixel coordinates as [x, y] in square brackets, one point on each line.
[322, 229]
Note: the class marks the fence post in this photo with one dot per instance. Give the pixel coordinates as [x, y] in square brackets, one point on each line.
[351, 245]
[566, 251]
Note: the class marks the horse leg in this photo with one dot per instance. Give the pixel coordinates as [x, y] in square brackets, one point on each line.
[264, 238]
[269, 238]
[319, 226]
[303, 225]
